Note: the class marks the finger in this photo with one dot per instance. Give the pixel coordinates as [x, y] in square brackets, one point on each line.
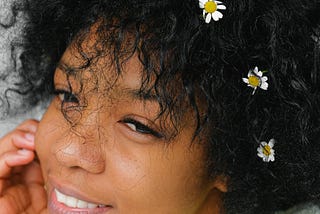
[22, 140]
[17, 139]
[20, 157]
[29, 126]
[29, 196]
[19, 199]
[25, 134]
[15, 200]
[10, 160]
[25, 130]
[14, 158]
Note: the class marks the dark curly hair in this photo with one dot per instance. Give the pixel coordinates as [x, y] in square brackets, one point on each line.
[175, 44]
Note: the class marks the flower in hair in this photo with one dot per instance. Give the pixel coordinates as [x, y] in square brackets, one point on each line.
[210, 9]
[256, 80]
[266, 151]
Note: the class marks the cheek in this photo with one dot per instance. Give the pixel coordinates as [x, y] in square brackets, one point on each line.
[178, 172]
[49, 130]
[165, 178]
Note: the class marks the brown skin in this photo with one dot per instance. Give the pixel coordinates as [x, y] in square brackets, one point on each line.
[21, 182]
[102, 157]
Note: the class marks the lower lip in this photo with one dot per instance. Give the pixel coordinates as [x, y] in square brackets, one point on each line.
[55, 207]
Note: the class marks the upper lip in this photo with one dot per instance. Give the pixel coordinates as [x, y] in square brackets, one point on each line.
[70, 190]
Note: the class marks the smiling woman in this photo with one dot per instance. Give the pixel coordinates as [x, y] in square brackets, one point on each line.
[123, 143]
[151, 112]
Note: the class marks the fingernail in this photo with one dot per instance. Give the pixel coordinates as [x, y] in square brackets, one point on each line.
[23, 152]
[32, 128]
[29, 137]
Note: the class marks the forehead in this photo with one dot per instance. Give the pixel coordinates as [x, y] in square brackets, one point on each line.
[86, 63]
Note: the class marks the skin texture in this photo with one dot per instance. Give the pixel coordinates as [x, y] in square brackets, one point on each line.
[101, 157]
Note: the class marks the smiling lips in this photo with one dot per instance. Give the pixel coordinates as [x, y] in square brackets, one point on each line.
[76, 203]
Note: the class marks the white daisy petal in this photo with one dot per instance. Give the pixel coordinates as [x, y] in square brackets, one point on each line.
[217, 13]
[264, 79]
[264, 85]
[271, 158]
[245, 80]
[203, 1]
[259, 74]
[271, 142]
[221, 7]
[215, 16]
[218, 2]
[259, 149]
[208, 18]
[271, 151]
[201, 5]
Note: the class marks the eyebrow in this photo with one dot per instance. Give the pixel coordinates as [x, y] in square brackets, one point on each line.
[138, 94]
[66, 68]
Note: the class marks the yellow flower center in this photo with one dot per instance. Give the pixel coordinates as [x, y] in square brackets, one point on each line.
[254, 81]
[210, 6]
[267, 150]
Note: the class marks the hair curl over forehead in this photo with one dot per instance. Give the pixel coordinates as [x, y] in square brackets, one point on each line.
[174, 43]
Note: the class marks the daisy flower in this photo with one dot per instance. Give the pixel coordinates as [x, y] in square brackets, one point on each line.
[266, 151]
[256, 79]
[210, 9]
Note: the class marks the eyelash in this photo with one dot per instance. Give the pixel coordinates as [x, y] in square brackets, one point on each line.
[141, 128]
[66, 97]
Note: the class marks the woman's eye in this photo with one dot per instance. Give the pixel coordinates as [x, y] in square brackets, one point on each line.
[66, 97]
[141, 128]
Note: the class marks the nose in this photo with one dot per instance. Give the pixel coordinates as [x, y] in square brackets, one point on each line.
[79, 150]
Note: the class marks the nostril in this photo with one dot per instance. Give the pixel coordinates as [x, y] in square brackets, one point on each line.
[74, 167]
[76, 155]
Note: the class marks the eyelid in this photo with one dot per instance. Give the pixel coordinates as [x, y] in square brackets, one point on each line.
[72, 99]
[148, 129]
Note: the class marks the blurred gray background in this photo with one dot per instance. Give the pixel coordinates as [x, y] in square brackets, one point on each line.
[12, 109]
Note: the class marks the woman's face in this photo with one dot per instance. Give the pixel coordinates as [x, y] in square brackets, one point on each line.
[107, 154]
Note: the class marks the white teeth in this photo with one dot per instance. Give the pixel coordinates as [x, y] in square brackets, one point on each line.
[60, 197]
[91, 205]
[82, 204]
[74, 202]
[71, 202]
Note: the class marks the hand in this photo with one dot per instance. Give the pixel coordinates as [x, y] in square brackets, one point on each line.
[21, 182]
